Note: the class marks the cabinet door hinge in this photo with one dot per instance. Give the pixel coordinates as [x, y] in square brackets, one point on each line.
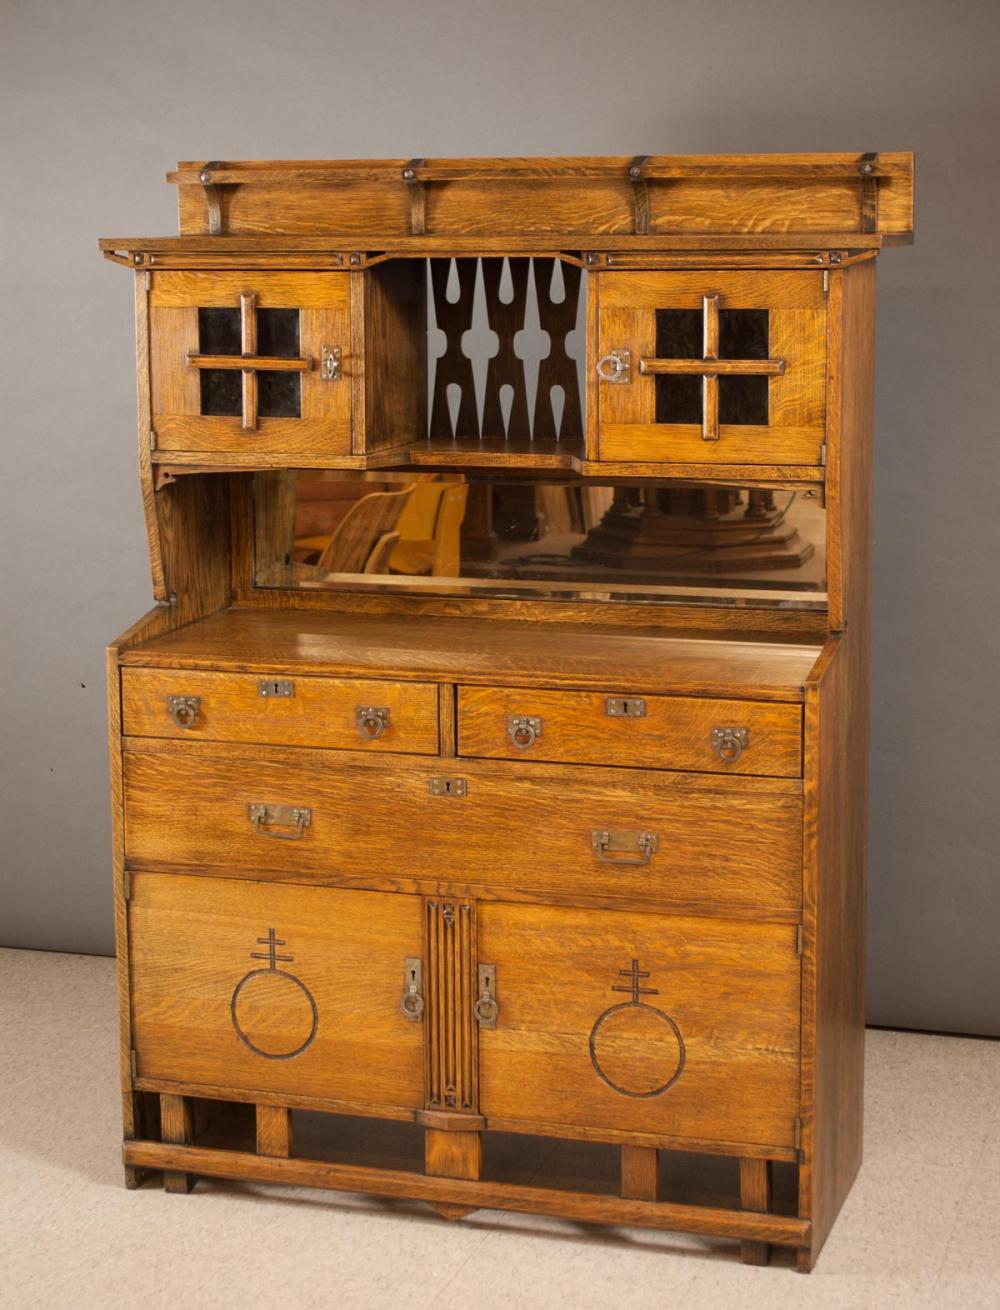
[149, 280]
[822, 454]
[127, 885]
[826, 281]
[798, 1133]
[798, 939]
[133, 1063]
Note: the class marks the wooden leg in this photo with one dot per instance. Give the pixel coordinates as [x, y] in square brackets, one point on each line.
[639, 1173]
[176, 1126]
[274, 1130]
[755, 1194]
[453, 1155]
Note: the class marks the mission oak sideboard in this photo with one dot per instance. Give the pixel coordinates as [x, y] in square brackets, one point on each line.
[489, 780]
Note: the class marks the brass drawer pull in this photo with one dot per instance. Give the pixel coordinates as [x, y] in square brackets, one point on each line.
[264, 817]
[486, 1008]
[184, 710]
[623, 846]
[412, 1003]
[730, 743]
[625, 707]
[372, 720]
[523, 730]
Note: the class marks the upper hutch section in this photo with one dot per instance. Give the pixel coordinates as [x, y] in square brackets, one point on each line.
[648, 316]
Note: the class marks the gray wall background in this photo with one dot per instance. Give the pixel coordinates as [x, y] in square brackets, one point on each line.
[100, 97]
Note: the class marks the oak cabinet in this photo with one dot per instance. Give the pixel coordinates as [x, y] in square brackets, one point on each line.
[494, 759]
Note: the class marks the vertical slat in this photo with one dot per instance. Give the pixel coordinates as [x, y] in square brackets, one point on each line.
[177, 1127]
[558, 319]
[639, 1166]
[506, 368]
[274, 1130]
[755, 1194]
[710, 383]
[454, 366]
[248, 344]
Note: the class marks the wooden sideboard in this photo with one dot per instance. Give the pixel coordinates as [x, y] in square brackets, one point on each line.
[520, 799]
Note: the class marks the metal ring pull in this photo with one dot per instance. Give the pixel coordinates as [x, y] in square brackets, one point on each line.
[623, 846]
[184, 710]
[372, 720]
[523, 730]
[615, 367]
[412, 1003]
[263, 817]
[486, 1008]
[730, 743]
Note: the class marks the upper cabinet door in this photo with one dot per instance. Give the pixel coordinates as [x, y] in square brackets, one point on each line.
[721, 368]
[250, 362]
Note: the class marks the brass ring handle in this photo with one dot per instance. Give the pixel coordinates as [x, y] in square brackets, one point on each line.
[412, 1002]
[486, 1008]
[730, 743]
[372, 720]
[264, 817]
[184, 710]
[486, 1011]
[624, 846]
[523, 730]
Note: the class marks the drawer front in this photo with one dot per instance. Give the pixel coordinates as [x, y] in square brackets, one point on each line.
[683, 1027]
[530, 828]
[294, 398]
[277, 988]
[712, 367]
[653, 732]
[339, 713]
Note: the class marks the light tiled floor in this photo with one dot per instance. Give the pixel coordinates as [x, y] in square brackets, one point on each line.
[920, 1229]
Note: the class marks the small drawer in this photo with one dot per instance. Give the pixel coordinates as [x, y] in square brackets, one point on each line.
[651, 732]
[543, 829]
[339, 713]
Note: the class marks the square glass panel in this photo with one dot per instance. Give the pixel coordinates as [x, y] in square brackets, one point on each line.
[278, 333]
[221, 390]
[279, 395]
[679, 335]
[219, 332]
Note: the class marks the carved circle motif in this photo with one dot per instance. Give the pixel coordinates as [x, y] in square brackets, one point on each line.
[622, 1030]
[273, 1012]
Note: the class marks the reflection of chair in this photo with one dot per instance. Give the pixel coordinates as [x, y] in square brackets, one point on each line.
[430, 531]
[362, 531]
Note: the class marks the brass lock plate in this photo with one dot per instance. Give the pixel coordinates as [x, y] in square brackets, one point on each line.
[276, 687]
[625, 707]
[329, 364]
[448, 787]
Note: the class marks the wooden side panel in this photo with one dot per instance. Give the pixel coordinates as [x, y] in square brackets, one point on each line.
[321, 712]
[683, 1027]
[275, 988]
[836, 829]
[395, 347]
[529, 830]
[673, 733]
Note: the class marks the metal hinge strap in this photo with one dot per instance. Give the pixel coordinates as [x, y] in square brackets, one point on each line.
[127, 885]
[798, 939]
[133, 1060]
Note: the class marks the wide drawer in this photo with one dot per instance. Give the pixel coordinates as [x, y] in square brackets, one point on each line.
[532, 828]
[675, 1026]
[339, 713]
[654, 732]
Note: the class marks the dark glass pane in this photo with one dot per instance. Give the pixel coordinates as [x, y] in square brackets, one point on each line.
[679, 333]
[743, 334]
[678, 399]
[221, 388]
[743, 400]
[278, 332]
[278, 394]
[219, 334]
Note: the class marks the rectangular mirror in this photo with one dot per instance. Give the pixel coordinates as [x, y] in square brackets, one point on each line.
[660, 542]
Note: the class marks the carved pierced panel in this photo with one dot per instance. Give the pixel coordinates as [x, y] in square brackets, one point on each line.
[452, 1052]
[510, 341]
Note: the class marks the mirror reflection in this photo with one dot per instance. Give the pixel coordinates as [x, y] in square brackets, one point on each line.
[454, 534]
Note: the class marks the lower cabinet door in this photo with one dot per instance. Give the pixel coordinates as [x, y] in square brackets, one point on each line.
[676, 1026]
[278, 988]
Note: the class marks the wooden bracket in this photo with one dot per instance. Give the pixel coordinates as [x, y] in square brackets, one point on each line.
[868, 173]
[418, 197]
[640, 194]
[213, 197]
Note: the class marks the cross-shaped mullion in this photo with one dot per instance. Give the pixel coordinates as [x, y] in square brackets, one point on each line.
[711, 368]
[249, 361]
